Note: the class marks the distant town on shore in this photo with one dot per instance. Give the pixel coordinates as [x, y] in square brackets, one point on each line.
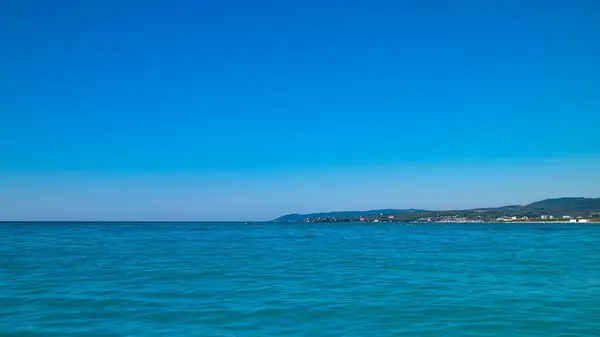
[559, 210]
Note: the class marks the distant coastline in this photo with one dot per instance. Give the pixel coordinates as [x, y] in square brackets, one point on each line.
[532, 222]
[577, 210]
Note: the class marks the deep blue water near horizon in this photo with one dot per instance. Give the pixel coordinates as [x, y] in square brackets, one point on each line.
[342, 279]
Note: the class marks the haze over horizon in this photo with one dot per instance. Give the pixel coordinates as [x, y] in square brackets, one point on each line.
[233, 110]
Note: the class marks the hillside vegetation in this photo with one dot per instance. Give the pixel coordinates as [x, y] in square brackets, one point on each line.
[557, 207]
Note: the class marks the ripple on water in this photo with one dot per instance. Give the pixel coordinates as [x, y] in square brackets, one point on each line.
[298, 280]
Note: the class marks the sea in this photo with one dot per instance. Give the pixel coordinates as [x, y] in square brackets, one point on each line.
[320, 279]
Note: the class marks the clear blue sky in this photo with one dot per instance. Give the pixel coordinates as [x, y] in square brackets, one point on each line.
[249, 109]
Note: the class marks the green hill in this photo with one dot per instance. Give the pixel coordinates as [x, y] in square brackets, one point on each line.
[564, 206]
[557, 207]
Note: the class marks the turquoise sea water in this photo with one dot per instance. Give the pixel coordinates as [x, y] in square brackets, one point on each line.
[201, 279]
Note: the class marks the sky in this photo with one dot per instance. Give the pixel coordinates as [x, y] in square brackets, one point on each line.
[247, 110]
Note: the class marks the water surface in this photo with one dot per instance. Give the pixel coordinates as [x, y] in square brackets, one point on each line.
[220, 279]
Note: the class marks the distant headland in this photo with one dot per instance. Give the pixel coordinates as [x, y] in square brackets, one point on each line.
[569, 209]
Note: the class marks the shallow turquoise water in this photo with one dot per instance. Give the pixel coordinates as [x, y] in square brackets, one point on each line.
[299, 280]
